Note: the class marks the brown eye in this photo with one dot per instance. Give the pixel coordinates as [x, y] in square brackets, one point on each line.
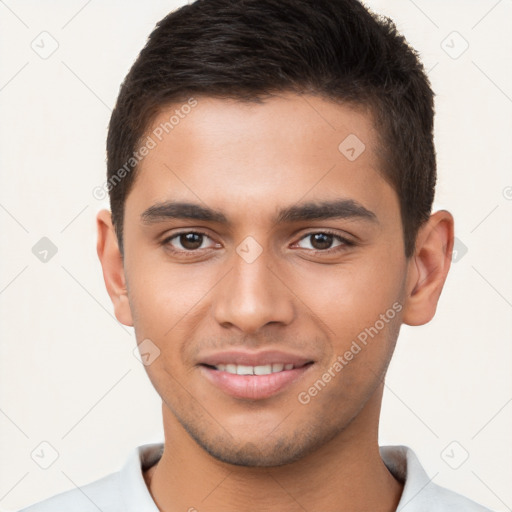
[191, 241]
[323, 241]
[187, 241]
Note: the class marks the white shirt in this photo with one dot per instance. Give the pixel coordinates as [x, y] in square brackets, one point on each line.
[126, 490]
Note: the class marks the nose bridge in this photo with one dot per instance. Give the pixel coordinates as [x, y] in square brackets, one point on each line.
[251, 295]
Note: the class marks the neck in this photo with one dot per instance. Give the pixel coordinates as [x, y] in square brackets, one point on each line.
[345, 474]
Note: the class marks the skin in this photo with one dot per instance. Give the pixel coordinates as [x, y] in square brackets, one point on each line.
[248, 161]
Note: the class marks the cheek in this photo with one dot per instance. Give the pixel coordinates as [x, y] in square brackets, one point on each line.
[169, 305]
[351, 296]
[361, 304]
[167, 300]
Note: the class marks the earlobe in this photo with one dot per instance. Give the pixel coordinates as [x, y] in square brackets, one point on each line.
[113, 270]
[428, 268]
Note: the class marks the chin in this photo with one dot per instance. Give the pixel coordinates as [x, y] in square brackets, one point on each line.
[261, 452]
[250, 455]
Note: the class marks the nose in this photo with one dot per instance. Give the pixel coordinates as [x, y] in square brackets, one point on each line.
[253, 295]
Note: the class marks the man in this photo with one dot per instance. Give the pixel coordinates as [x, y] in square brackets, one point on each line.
[271, 172]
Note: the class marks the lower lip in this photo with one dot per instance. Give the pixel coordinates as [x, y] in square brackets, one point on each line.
[253, 387]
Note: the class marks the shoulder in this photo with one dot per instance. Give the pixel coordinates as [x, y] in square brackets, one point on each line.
[420, 493]
[122, 491]
[443, 500]
[103, 494]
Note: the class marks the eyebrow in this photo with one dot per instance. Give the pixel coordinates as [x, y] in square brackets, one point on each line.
[323, 210]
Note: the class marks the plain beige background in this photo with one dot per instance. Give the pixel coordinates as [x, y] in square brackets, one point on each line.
[68, 375]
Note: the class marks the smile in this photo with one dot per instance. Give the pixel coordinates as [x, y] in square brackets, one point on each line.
[256, 382]
[267, 369]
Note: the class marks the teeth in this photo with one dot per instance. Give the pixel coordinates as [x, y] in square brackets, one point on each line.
[266, 369]
[244, 370]
[263, 370]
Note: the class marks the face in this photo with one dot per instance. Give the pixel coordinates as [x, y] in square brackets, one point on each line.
[264, 260]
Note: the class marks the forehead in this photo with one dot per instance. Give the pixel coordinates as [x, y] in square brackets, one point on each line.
[245, 158]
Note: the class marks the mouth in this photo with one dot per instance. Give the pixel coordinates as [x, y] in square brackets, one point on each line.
[266, 369]
[253, 376]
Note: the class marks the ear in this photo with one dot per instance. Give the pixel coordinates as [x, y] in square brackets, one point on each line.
[113, 269]
[428, 268]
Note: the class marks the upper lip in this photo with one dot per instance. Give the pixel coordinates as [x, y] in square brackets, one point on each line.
[254, 358]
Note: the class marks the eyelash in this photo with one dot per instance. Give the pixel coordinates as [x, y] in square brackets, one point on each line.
[344, 243]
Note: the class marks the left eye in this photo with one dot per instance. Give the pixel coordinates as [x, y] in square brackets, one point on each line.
[323, 241]
[189, 241]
